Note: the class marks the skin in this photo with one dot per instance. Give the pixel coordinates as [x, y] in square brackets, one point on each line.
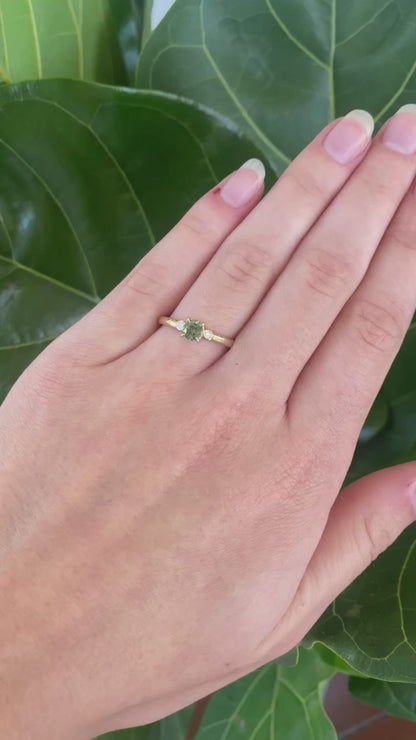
[171, 515]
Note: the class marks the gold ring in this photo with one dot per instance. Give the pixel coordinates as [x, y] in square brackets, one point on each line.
[195, 330]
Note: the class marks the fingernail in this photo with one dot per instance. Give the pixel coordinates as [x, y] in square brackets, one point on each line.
[350, 136]
[243, 184]
[400, 134]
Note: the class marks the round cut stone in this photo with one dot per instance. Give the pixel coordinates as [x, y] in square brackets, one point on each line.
[208, 334]
[180, 325]
[193, 330]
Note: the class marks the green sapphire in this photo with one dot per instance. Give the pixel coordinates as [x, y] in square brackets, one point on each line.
[193, 330]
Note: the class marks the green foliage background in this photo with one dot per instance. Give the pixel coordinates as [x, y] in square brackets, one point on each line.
[93, 173]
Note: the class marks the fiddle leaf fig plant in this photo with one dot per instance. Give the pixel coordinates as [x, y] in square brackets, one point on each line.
[84, 170]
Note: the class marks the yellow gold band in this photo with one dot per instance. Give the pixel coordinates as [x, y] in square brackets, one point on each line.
[195, 330]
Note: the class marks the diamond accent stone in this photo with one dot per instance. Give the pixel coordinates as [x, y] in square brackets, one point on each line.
[208, 334]
[180, 325]
[193, 330]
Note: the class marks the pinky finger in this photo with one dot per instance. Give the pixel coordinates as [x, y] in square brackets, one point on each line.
[128, 315]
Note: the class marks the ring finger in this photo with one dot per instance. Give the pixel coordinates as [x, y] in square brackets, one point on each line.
[236, 279]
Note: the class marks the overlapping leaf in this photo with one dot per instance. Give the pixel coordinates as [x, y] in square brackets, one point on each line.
[90, 178]
[59, 38]
[283, 68]
[272, 703]
[174, 727]
[132, 20]
[394, 698]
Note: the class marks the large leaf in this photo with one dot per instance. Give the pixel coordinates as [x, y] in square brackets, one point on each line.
[90, 178]
[133, 20]
[59, 38]
[372, 624]
[389, 436]
[393, 698]
[283, 68]
[273, 703]
[174, 727]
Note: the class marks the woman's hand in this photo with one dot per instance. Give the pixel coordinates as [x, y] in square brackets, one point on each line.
[169, 511]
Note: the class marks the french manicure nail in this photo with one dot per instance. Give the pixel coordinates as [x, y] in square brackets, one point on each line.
[350, 136]
[400, 134]
[240, 187]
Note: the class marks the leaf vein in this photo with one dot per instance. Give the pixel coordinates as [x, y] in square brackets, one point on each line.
[42, 276]
[61, 208]
[112, 158]
[292, 38]
[244, 113]
[35, 38]
[5, 46]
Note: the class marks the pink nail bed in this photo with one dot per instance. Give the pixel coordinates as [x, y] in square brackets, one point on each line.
[350, 136]
[242, 185]
[400, 134]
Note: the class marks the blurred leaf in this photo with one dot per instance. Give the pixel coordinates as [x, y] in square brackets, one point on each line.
[272, 703]
[290, 659]
[337, 664]
[283, 68]
[371, 625]
[90, 178]
[132, 20]
[376, 420]
[174, 727]
[395, 416]
[59, 38]
[394, 698]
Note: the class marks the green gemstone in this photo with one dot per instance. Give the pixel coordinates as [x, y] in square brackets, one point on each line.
[193, 330]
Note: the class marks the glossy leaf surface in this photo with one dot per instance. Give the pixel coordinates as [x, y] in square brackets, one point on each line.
[59, 38]
[273, 702]
[283, 68]
[90, 178]
[394, 698]
[132, 20]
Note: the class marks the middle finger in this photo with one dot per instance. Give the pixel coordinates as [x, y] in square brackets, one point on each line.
[233, 283]
[332, 260]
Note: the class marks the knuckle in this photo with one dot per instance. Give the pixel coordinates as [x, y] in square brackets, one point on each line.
[304, 184]
[148, 279]
[384, 190]
[243, 263]
[379, 326]
[327, 272]
[403, 238]
[195, 226]
[371, 538]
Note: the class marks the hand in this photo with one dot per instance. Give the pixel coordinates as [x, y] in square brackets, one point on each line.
[169, 511]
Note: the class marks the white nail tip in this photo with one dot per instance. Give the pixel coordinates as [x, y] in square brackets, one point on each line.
[364, 118]
[409, 108]
[257, 166]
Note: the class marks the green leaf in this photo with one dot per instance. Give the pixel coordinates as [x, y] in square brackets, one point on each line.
[273, 702]
[390, 430]
[90, 178]
[132, 20]
[59, 38]
[283, 68]
[174, 727]
[394, 698]
[337, 664]
[371, 625]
